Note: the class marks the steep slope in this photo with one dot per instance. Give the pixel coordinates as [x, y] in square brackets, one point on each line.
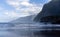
[49, 13]
[27, 19]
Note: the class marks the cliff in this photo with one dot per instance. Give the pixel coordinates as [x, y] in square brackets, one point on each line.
[50, 13]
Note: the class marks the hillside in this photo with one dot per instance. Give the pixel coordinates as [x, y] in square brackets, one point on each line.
[27, 19]
[49, 13]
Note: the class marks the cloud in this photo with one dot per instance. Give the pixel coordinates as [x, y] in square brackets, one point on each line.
[25, 6]
[22, 8]
[17, 3]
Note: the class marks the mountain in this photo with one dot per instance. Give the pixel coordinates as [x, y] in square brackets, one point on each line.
[50, 12]
[27, 19]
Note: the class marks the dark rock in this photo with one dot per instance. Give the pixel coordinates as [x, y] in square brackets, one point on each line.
[50, 13]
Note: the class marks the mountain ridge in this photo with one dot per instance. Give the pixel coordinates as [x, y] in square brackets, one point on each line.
[27, 19]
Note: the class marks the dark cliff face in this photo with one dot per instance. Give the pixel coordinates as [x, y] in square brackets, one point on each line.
[50, 13]
[55, 0]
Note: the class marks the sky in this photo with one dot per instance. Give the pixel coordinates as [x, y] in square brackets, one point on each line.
[12, 9]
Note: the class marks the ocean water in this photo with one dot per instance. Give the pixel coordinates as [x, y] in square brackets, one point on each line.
[25, 30]
[18, 30]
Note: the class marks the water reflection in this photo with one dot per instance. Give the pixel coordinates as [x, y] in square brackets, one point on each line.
[29, 30]
[17, 30]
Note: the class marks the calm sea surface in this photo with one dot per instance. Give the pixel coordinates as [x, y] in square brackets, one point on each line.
[23, 30]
